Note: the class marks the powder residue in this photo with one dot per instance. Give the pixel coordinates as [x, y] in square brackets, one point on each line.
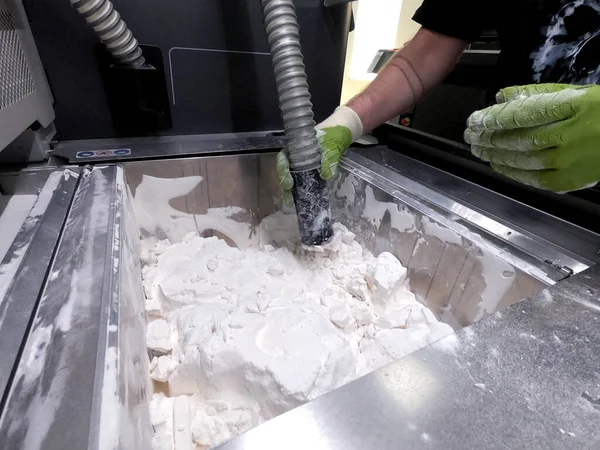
[239, 336]
[400, 218]
[14, 212]
[156, 217]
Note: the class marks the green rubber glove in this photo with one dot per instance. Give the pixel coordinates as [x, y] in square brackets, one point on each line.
[544, 135]
[335, 136]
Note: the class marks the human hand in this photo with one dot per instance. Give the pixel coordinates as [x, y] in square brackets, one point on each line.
[335, 136]
[545, 135]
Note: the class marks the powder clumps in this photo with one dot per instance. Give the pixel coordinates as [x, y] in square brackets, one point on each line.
[239, 336]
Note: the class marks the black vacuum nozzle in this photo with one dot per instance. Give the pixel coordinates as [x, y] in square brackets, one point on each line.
[312, 207]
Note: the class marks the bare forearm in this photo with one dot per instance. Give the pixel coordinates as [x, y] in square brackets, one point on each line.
[411, 73]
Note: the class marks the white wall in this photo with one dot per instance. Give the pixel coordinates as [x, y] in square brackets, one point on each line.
[372, 35]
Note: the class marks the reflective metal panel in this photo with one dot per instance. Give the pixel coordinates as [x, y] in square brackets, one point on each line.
[457, 267]
[525, 378]
[24, 269]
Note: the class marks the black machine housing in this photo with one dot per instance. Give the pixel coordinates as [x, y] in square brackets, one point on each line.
[217, 71]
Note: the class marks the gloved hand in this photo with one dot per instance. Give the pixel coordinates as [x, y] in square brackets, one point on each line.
[335, 135]
[545, 135]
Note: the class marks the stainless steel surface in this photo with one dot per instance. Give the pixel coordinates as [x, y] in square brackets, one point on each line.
[428, 400]
[119, 414]
[513, 379]
[458, 215]
[24, 93]
[25, 183]
[68, 389]
[246, 182]
[460, 274]
[524, 378]
[290, 77]
[24, 268]
[106, 22]
[522, 219]
[456, 267]
[40, 185]
[78, 152]
[129, 314]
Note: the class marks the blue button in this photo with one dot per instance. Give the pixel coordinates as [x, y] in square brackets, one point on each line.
[84, 154]
[123, 151]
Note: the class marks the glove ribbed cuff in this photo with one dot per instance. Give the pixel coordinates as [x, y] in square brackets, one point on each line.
[345, 117]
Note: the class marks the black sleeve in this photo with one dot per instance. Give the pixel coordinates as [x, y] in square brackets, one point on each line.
[461, 19]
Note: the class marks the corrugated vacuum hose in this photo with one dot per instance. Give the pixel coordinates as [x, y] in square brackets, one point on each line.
[310, 191]
[106, 22]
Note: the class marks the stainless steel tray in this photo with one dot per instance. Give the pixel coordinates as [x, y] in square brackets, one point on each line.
[84, 360]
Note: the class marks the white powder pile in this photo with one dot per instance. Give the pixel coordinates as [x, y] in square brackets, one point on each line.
[241, 336]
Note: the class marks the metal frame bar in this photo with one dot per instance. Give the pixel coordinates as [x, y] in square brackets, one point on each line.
[59, 372]
[26, 266]
[559, 261]
[102, 150]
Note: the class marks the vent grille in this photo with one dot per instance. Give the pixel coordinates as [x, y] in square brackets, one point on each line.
[16, 82]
